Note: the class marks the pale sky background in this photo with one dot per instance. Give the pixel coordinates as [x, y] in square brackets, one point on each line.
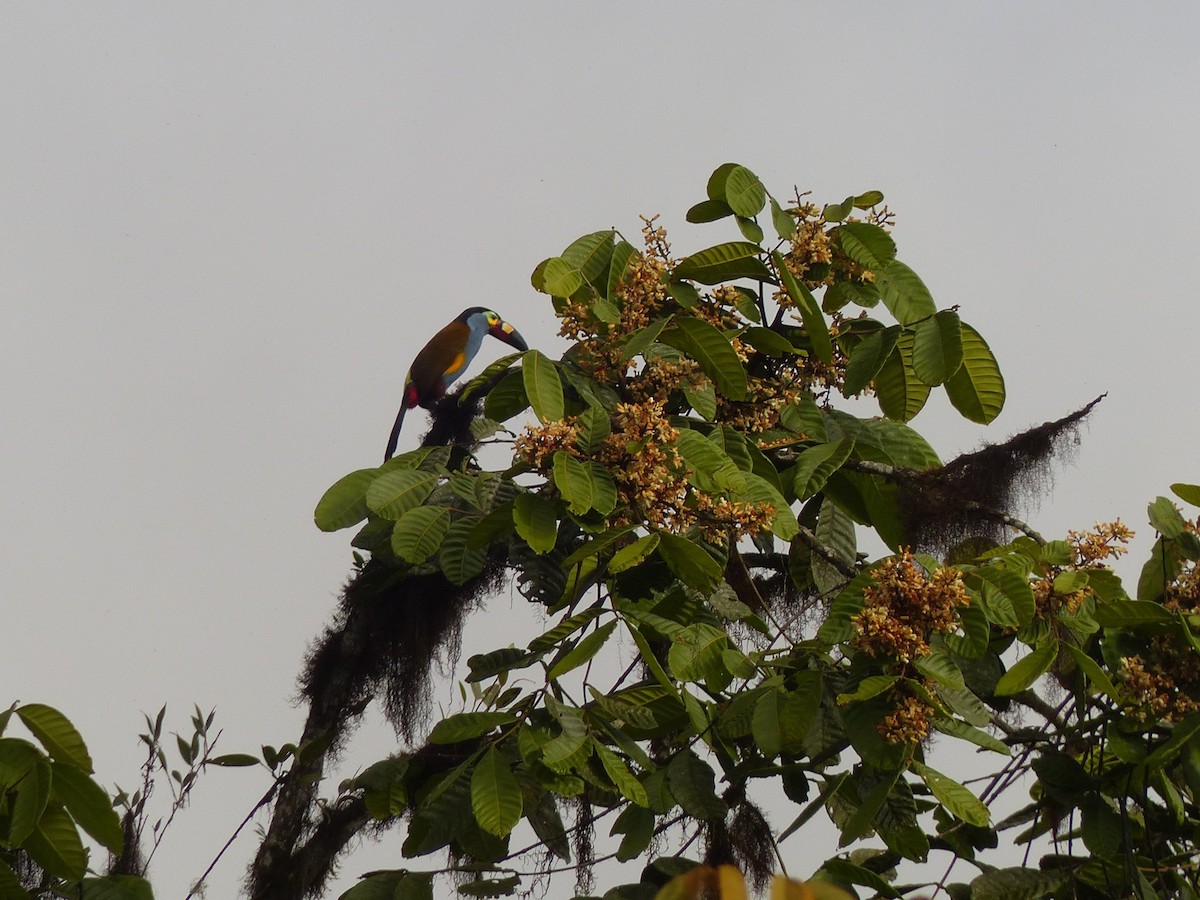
[226, 228]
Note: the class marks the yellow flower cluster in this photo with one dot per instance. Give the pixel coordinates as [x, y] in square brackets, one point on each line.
[1090, 549]
[903, 607]
[909, 722]
[1106, 540]
[538, 443]
[1167, 692]
[653, 484]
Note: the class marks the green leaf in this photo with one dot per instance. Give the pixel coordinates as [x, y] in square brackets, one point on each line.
[868, 199]
[418, 533]
[631, 789]
[724, 262]
[632, 555]
[29, 800]
[1131, 614]
[1027, 670]
[641, 339]
[1013, 587]
[816, 464]
[576, 483]
[782, 718]
[536, 521]
[557, 277]
[871, 686]
[1165, 518]
[768, 342]
[89, 805]
[622, 254]
[941, 668]
[977, 388]
[904, 293]
[116, 887]
[592, 426]
[564, 629]
[571, 748]
[1092, 670]
[712, 350]
[815, 325]
[715, 188]
[689, 562]
[750, 229]
[55, 845]
[711, 468]
[345, 503]
[937, 347]
[691, 780]
[56, 734]
[468, 725]
[602, 541]
[703, 400]
[867, 244]
[744, 193]
[835, 529]
[11, 889]
[582, 652]
[637, 826]
[542, 386]
[695, 652]
[394, 493]
[956, 798]
[506, 399]
[459, 561]
[708, 211]
[1188, 493]
[1018, 883]
[978, 737]
[785, 225]
[867, 359]
[590, 254]
[900, 392]
[759, 490]
[495, 794]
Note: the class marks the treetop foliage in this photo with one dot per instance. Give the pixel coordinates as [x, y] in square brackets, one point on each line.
[693, 504]
[692, 493]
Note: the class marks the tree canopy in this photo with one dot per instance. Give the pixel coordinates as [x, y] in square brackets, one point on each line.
[758, 585]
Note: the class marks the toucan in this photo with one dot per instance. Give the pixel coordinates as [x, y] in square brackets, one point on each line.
[447, 356]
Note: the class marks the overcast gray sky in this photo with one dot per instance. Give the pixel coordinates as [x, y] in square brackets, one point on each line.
[225, 229]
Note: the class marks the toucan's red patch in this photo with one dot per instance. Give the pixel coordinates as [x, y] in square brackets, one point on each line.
[411, 398]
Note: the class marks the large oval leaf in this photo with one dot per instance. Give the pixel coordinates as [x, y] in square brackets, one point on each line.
[689, 562]
[495, 794]
[345, 503]
[900, 392]
[977, 388]
[867, 244]
[590, 254]
[543, 387]
[735, 259]
[816, 464]
[904, 293]
[712, 350]
[419, 532]
[56, 733]
[536, 521]
[937, 347]
[394, 493]
[744, 193]
[867, 358]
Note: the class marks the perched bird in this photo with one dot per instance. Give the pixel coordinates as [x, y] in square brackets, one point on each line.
[447, 356]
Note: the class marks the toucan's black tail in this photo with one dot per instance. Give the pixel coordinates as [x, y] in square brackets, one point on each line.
[395, 436]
